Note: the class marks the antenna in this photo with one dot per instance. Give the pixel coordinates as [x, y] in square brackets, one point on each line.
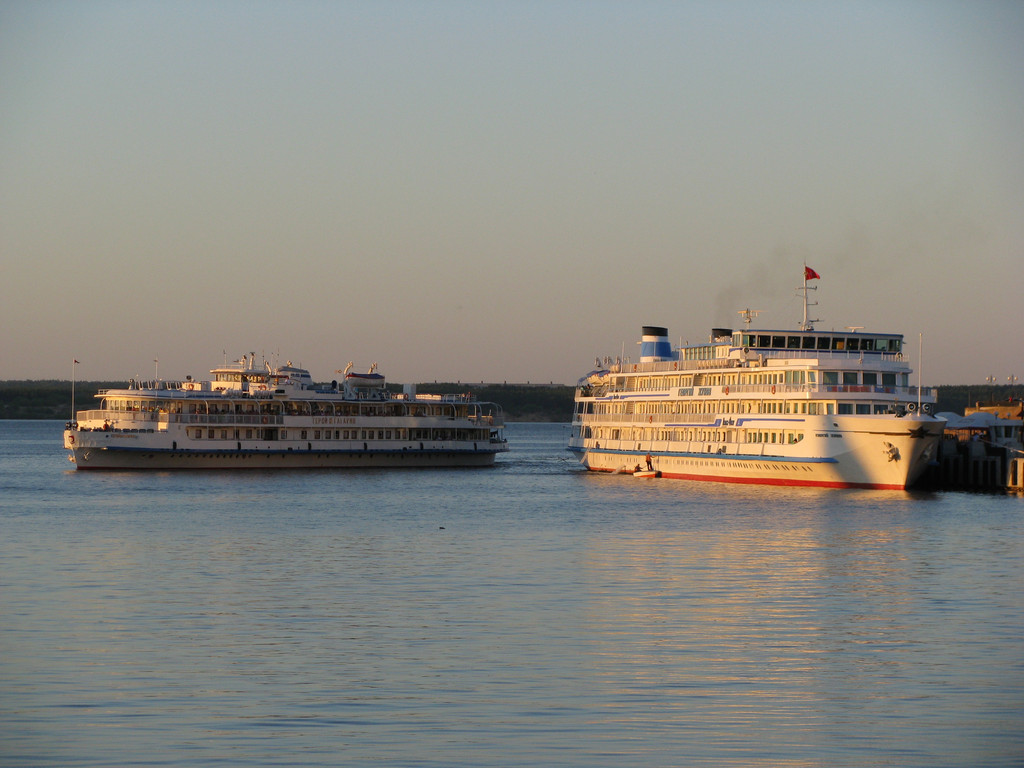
[748, 315]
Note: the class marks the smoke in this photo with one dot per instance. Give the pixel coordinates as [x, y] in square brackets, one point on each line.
[768, 287]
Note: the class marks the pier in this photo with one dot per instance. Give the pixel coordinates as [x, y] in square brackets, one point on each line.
[976, 466]
[981, 450]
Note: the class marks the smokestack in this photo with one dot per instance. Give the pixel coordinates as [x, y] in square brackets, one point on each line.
[654, 344]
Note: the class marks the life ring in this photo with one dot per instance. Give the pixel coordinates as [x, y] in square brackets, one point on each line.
[675, 366]
[726, 390]
[773, 389]
[650, 419]
[264, 419]
[634, 367]
[71, 439]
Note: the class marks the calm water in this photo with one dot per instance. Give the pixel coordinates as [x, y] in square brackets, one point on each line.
[526, 615]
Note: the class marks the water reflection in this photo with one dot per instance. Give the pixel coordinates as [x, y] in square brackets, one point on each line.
[825, 628]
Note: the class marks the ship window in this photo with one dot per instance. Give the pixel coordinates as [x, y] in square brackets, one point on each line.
[793, 342]
[316, 434]
[824, 342]
[870, 379]
[863, 408]
[888, 379]
[853, 344]
[867, 345]
[830, 378]
[764, 341]
[808, 342]
[779, 342]
[838, 343]
[302, 434]
[284, 434]
[849, 377]
[846, 409]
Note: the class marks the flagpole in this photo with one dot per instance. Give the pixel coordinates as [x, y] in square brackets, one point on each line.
[809, 274]
[803, 325]
[74, 365]
[920, 367]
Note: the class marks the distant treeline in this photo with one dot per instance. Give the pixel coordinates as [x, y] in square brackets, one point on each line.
[521, 402]
[52, 399]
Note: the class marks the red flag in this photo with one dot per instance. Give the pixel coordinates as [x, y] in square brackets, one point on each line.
[810, 274]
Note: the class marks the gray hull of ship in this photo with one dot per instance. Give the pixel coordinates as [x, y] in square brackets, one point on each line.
[140, 458]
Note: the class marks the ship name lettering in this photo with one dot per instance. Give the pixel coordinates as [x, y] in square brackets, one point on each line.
[704, 392]
[686, 392]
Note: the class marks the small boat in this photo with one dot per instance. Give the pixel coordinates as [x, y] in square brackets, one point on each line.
[647, 473]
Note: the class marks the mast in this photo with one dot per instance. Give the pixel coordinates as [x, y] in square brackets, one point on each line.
[920, 367]
[74, 365]
[809, 274]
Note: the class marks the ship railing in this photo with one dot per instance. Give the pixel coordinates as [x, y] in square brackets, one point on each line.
[103, 415]
[883, 390]
[224, 418]
[804, 390]
[122, 417]
[647, 419]
[832, 355]
[839, 358]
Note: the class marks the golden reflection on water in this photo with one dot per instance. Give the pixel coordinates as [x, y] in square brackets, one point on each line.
[766, 627]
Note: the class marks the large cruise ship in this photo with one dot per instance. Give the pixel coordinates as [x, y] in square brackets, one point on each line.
[777, 407]
[257, 416]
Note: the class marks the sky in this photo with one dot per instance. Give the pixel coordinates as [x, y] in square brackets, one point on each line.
[502, 191]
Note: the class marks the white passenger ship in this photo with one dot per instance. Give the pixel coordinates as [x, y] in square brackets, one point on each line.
[252, 416]
[812, 408]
